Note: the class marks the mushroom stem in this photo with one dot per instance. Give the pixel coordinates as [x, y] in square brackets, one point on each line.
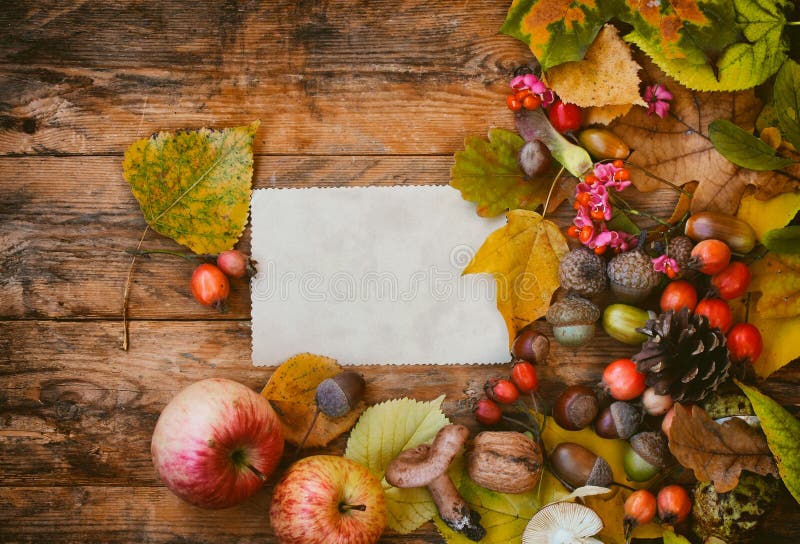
[453, 510]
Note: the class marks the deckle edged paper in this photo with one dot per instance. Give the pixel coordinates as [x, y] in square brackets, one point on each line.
[372, 275]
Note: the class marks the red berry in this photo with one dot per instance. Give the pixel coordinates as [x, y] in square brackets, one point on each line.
[512, 103]
[710, 256]
[733, 281]
[674, 504]
[523, 374]
[502, 391]
[678, 294]
[565, 117]
[745, 343]
[488, 412]
[717, 311]
[209, 285]
[640, 508]
[233, 263]
[531, 102]
[623, 381]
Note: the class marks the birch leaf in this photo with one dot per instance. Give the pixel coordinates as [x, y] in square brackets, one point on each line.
[382, 432]
[194, 186]
[523, 256]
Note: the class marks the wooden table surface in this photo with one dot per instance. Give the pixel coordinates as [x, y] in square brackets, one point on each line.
[378, 92]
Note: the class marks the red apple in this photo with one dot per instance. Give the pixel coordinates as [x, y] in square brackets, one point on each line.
[325, 499]
[216, 442]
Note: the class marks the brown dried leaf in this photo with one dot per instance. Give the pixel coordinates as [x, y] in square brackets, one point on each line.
[718, 452]
[677, 148]
[607, 75]
[681, 208]
[291, 391]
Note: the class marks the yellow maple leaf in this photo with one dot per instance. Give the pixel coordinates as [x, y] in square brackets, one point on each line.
[523, 256]
[607, 75]
[291, 390]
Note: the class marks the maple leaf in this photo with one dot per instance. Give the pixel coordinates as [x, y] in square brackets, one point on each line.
[523, 256]
[488, 173]
[678, 147]
[291, 390]
[607, 75]
[718, 452]
[782, 430]
[382, 432]
[194, 186]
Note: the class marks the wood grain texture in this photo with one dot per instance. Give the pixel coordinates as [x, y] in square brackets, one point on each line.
[350, 77]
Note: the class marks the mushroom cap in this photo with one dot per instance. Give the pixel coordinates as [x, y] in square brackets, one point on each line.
[563, 523]
[573, 310]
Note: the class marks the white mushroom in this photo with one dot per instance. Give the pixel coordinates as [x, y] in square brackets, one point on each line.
[563, 523]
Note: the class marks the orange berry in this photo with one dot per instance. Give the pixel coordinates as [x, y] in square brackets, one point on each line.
[597, 215]
[512, 103]
[599, 250]
[586, 234]
[622, 175]
[618, 163]
[573, 231]
[531, 102]
[591, 179]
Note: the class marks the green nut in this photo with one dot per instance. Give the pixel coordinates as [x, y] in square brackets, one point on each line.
[620, 322]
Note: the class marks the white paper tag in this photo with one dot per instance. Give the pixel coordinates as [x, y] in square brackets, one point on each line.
[372, 275]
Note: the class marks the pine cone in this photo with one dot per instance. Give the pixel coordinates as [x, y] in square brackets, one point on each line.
[684, 357]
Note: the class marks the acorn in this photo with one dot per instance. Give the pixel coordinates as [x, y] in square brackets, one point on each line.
[582, 271]
[576, 407]
[619, 420]
[680, 249]
[603, 144]
[573, 320]
[531, 346]
[576, 466]
[338, 395]
[646, 455]
[534, 158]
[620, 322]
[738, 234]
[631, 276]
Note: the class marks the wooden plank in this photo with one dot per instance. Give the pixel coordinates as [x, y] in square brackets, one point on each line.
[66, 222]
[335, 78]
[76, 410]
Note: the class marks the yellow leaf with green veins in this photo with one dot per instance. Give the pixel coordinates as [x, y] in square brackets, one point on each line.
[381, 434]
[782, 430]
[194, 186]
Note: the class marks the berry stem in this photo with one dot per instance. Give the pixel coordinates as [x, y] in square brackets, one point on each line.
[521, 424]
[619, 201]
[187, 256]
[648, 173]
[550, 192]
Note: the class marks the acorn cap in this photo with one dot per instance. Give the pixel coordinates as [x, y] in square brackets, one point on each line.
[338, 395]
[573, 310]
[652, 447]
[632, 276]
[583, 271]
[601, 474]
[626, 418]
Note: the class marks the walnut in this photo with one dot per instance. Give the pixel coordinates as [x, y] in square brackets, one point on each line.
[506, 462]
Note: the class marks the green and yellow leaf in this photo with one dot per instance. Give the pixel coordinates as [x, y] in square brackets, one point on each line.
[382, 432]
[523, 256]
[782, 430]
[194, 186]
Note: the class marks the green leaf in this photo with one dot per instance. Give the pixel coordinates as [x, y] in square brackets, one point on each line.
[487, 173]
[782, 430]
[786, 96]
[534, 125]
[671, 538]
[504, 516]
[556, 32]
[742, 148]
[382, 432]
[194, 186]
[622, 221]
[785, 240]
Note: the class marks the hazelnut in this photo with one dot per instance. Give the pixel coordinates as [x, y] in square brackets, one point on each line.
[530, 346]
[576, 407]
[506, 462]
[655, 404]
[573, 320]
[619, 420]
[576, 466]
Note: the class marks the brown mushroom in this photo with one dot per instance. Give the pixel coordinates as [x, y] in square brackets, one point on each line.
[426, 465]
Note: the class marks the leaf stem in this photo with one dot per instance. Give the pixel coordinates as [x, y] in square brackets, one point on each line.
[629, 209]
[648, 173]
[550, 192]
[187, 256]
[126, 295]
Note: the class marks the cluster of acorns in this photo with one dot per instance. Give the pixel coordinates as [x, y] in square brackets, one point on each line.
[686, 352]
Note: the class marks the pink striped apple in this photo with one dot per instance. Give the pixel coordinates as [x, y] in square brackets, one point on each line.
[216, 442]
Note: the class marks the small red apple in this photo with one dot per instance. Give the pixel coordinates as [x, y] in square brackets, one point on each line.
[326, 499]
[216, 443]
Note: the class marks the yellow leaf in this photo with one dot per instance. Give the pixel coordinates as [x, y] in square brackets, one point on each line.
[607, 75]
[777, 276]
[194, 186]
[382, 432]
[603, 115]
[523, 256]
[765, 215]
[291, 391]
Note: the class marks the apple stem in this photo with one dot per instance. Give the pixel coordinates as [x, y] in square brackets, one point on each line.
[257, 472]
[308, 432]
[347, 507]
